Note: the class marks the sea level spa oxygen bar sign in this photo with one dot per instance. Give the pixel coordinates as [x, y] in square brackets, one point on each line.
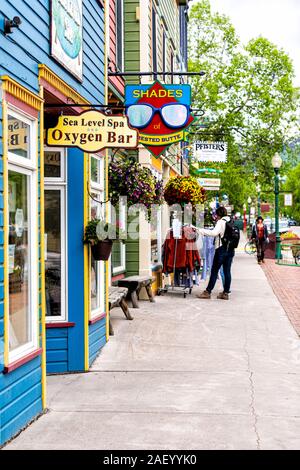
[92, 131]
[160, 112]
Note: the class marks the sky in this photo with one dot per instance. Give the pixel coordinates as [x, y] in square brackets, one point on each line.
[277, 20]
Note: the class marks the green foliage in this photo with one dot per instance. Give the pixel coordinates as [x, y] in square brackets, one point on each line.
[247, 93]
[292, 185]
[97, 229]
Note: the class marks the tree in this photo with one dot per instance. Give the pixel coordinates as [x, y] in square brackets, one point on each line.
[247, 92]
[292, 185]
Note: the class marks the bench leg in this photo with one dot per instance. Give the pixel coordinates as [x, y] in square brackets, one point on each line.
[111, 330]
[124, 307]
[150, 293]
[134, 299]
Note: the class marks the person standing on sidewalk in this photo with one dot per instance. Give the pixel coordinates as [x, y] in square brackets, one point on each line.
[260, 237]
[224, 252]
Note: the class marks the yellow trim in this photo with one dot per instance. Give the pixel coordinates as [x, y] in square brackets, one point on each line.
[106, 18]
[60, 85]
[86, 259]
[156, 163]
[5, 232]
[22, 94]
[42, 232]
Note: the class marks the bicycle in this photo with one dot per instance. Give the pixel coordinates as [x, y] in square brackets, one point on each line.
[250, 248]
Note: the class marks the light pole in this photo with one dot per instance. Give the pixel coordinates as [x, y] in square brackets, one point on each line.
[245, 218]
[249, 210]
[258, 189]
[276, 164]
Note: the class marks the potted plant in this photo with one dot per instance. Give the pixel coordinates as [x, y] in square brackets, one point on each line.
[100, 235]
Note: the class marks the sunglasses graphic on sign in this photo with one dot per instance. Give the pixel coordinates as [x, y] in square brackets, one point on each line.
[174, 115]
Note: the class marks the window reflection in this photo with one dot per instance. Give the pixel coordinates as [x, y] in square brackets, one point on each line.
[19, 268]
[18, 137]
[53, 260]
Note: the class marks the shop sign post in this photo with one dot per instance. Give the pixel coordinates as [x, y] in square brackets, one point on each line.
[160, 112]
[209, 182]
[288, 200]
[92, 131]
[66, 34]
[210, 151]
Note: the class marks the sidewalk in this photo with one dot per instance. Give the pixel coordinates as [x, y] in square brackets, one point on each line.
[185, 374]
[285, 281]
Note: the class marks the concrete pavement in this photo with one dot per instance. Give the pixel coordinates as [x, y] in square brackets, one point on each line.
[185, 374]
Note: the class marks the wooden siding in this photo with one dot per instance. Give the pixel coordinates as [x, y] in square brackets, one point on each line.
[20, 390]
[57, 350]
[132, 249]
[97, 338]
[34, 36]
[117, 82]
[20, 398]
[132, 39]
[2, 254]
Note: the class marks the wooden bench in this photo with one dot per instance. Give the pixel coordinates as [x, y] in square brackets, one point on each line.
[117, 298]
[134, 285]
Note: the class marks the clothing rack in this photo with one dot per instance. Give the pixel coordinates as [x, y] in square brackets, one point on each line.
[180, 287]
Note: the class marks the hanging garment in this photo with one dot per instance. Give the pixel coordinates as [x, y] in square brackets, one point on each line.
[208, 256]
[181, 253]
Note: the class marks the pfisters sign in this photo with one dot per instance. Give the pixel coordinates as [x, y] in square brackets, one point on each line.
[160, 112]
[92, 131]
[210, 151]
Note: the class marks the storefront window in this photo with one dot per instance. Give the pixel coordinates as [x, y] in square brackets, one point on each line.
[52, 165]
[156, 227]
[53, 260]
[156, 239]
[18, 136]
[55, 235]
[96, 170]
[19, 265]
[118, 256]
[97, 269]
[22, 236]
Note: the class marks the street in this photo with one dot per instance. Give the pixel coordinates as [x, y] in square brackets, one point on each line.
[184, 374]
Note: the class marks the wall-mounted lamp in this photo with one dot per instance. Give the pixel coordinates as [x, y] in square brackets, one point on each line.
[10, 24]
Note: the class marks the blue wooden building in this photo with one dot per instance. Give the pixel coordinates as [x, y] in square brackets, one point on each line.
[53, 301]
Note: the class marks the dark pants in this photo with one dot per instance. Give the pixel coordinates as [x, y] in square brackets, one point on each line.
[260, 246]
[222, 258]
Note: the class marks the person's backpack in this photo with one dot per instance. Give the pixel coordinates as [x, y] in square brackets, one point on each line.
[231, 236]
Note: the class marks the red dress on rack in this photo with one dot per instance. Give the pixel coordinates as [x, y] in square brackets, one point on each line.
[187, 254]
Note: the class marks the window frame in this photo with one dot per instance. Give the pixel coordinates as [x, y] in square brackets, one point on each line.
[164, 50]
[97, 189]
[31, 162]
[120, 54]
[60, 183]
[122, 221]
[154, 40]
[28, 167]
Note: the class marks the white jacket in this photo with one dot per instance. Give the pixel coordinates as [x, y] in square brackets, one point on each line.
[217, 232]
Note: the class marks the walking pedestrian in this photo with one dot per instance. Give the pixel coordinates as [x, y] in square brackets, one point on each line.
[260, 237]
[226, 240]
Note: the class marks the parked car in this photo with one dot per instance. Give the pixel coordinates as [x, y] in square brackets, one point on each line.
[292, 222]
[283, 224]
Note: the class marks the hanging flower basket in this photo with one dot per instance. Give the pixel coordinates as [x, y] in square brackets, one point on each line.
[101, 251]
[101, 235]
[184, 190]
[127, 178]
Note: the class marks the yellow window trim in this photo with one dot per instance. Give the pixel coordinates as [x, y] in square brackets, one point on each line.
[54, 80]
[21, 93]
[156, 163]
